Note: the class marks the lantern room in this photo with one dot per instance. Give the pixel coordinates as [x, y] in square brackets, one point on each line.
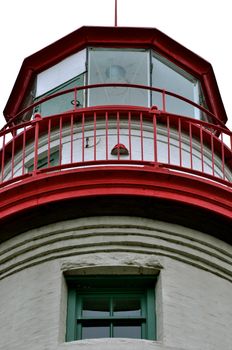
[154, 69]
[104, 66]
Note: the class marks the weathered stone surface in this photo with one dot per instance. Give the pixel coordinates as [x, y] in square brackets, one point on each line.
[193, 293]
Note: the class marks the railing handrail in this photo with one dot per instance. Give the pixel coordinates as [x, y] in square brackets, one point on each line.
[116, 85]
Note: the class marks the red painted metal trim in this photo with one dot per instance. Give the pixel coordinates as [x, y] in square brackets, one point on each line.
[115, 37]
[107, 135]
[105, 181]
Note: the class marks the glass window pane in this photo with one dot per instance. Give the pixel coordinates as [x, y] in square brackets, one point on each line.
[95, 307]
[63, 102]
[167, 76]
[177, 106]
[127, 307]
[63, 71]
[127, 331]
[118, 66]
[90, 332]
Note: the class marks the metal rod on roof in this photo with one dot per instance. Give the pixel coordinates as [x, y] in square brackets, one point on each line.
[116, 14]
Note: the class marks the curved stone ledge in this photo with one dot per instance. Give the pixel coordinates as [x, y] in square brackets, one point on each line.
[93, 236]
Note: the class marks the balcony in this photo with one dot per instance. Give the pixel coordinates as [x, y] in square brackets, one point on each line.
[115, 135]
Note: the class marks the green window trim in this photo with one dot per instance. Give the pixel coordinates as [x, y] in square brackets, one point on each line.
[121, 307]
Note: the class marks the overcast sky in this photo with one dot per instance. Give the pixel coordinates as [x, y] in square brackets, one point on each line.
[203, 26]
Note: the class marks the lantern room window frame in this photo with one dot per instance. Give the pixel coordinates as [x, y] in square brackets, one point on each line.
[121, 37]
[119, 95]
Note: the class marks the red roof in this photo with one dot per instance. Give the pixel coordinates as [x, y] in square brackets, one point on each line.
[116, 37]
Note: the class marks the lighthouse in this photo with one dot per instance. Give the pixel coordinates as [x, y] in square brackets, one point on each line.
[115, 198]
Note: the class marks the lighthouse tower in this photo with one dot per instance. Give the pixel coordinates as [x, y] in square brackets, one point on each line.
[115, 198]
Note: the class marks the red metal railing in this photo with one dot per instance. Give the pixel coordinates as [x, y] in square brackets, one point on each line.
[86, 137]
[75, 92]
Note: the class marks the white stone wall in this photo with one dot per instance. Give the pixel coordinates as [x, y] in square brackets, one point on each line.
[193, 292]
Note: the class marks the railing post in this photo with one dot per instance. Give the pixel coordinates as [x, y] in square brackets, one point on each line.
[13, 153]
[71, 138]
[154, 113]
[61, 142]
[223, 156]
[180, 141]
[24, 151]
[83, 136]
[75, 98]
[168, 140]
[141, 134]
[118, 134]
[3, 157]
[129, 135]
[164, 100]
[37, 119]
[107, 134]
